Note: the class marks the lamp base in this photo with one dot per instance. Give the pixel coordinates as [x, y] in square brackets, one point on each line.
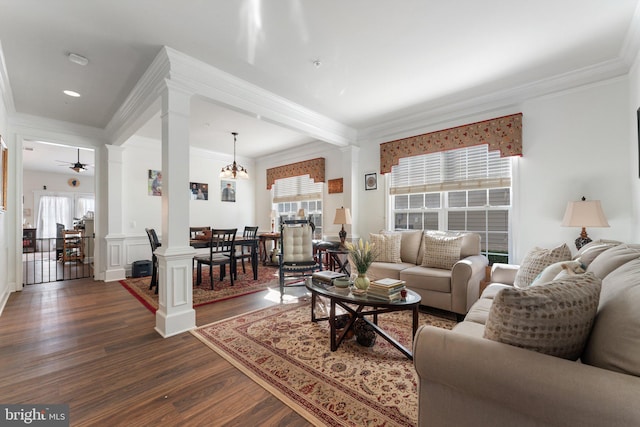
[343, 236]
[581, 241]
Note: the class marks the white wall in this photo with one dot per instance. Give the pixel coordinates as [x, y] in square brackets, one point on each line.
[634, 142]
[4, 224]
[141, 210]
[34, 181]
[575, 144]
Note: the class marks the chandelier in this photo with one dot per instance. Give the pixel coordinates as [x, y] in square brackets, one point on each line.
[234, 170]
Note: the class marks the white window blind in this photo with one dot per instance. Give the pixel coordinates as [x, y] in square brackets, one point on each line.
[296, 188]
[462, 169]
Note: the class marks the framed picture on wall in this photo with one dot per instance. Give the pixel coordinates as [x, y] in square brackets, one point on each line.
[155, 183]
[228, 191]
[199, 191]
[4, 164]
[371, 181]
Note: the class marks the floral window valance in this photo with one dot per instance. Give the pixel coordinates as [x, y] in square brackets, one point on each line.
[314, 168]
[502, 133]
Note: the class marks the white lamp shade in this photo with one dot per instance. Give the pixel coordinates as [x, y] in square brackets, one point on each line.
[585, 213]
[343, 216]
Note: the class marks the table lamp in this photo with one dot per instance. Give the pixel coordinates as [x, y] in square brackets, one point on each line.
[343, 216]
[301, 213]
[584, 213]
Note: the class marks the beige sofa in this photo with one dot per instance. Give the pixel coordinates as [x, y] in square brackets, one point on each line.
[468, 380]
[454, 289]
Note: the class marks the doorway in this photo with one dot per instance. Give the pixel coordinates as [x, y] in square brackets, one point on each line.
[58, 212]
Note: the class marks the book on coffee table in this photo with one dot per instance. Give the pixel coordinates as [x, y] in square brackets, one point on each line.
[388, 284]
[327, 275]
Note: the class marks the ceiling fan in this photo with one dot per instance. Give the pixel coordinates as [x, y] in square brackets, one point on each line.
[77, 166]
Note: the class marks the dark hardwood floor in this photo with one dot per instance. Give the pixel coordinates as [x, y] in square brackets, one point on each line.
[92, 345]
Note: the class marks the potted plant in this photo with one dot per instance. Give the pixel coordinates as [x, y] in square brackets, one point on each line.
[362, 255]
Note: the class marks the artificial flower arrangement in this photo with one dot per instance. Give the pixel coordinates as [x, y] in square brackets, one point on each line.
[362, 255]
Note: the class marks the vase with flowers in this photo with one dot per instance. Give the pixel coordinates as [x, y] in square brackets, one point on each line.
[362, 255]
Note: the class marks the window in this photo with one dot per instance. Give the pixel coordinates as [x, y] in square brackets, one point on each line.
[295, 193]
[459, 190]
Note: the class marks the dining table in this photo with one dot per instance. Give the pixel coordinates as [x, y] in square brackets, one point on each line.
[251, 243]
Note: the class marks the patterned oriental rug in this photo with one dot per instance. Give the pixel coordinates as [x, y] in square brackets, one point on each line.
[284, 352]
[267, 277]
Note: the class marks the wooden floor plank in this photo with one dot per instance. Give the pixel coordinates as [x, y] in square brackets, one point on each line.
[93, 346]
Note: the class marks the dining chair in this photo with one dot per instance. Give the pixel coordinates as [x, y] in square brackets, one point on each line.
[243, 251]
[221, 251]
[296, 258]
[198, 233]
[155, 244]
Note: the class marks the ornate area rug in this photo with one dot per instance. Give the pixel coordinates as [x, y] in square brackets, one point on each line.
[202, 294]
[283, 351]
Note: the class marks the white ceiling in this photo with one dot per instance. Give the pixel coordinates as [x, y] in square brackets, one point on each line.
[380, 59]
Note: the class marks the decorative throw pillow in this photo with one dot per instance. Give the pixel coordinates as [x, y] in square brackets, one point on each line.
[536, 261]
[554, 318]
[558, 270]
[441, 250]
[387, 246]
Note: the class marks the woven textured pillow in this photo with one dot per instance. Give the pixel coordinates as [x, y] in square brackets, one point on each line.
[537, 260]
[441, 250]
[555, 318]
[387, 246]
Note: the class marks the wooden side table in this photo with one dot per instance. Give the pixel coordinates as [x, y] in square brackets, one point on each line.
[262, 246]
[336, 262]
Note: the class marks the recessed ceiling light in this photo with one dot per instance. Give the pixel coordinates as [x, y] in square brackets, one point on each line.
[71, 93]
[78, 59]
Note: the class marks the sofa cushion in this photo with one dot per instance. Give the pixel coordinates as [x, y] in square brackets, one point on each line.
[554, 318]
[470, 245]
[479, 311]
[441, 250]
[492, 290]
[410, 244]
[387, 246]
[380, 270]
[614, 343]
[536, 261]
[432, 279]
[591, 250]
[471, 329]
[613, 258]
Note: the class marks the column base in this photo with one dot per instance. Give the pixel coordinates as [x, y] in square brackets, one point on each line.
[168, 325]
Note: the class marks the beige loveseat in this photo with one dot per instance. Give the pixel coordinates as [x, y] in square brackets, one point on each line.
[468, 380]
[452, 289]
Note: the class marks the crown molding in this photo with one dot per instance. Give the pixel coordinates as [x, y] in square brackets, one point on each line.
[5, 86]
[240, 95]
[142, 102]
[39, 128]
[630, 49]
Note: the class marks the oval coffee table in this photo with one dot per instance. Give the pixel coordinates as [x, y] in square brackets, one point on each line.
[365, 306]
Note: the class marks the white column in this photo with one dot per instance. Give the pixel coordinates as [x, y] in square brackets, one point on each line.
[351, 182]
[115, 267]
[175, 272]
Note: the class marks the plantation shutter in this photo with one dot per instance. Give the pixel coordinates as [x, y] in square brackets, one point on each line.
[296, 188]
[462, 169]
